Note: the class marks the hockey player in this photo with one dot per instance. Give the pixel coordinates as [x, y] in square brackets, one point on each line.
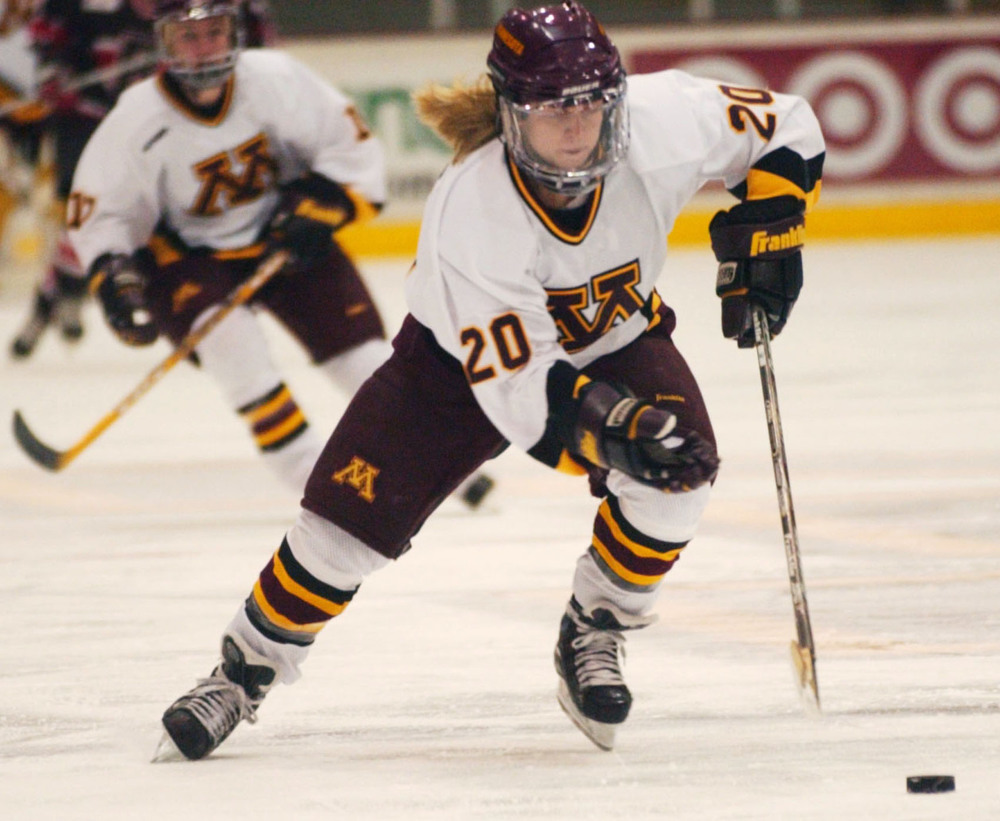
[534, 319]
[19, 131]
[222, 158]
[72, 39]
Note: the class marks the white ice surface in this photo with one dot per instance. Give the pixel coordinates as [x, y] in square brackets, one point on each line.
[433, 696]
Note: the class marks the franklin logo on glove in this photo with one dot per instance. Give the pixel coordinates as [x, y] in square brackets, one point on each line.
[762, 242]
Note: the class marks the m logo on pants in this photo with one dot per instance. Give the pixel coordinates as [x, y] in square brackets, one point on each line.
[359, 475]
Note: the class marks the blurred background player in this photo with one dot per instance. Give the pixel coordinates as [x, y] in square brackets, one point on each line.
[73, 39]
[19, 116]
[534, 319]
[222, 158]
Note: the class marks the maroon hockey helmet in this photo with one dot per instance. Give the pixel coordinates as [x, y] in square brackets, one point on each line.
[558, 56]
[173, 15]
[552, 52]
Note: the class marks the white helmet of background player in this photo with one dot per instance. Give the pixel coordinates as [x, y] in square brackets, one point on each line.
[552, 59]
[176, 19]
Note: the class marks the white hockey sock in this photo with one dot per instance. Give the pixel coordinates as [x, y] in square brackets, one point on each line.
[331, 557]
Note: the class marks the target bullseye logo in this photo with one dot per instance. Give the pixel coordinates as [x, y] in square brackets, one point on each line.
[957, 110]
[862, 107]
[927, 109]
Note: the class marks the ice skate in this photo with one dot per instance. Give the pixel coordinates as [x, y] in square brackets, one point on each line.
[200, 720]
[26, 340]
[592, 691]
[68, 312]
[69, 304]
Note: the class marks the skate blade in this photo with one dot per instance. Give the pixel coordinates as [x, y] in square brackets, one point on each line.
[602, 735]
[166, 751]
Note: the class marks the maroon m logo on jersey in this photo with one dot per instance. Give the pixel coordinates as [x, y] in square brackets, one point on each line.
[216, 174]
[608, 298]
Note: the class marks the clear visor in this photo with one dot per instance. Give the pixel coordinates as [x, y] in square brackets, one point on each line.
[568, 144]
[201, 50]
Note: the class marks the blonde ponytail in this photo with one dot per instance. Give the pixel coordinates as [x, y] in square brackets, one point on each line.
[464, 116]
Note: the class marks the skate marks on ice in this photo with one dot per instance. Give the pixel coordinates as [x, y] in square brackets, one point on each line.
[434, 695]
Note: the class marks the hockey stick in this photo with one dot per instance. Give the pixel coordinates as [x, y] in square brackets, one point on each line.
[90, 78]
[803, 649]
[56, 460]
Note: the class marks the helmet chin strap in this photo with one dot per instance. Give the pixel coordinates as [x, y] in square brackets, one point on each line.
[203, 77]
[552, 197]
[573, 188]
[578, 194]
[198, 91]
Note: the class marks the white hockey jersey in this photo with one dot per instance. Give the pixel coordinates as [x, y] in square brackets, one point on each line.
[508, 293]
[214, 182]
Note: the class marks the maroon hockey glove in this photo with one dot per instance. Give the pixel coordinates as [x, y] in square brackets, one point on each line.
[758, 245]
[310, 211]
[637, 438]
[119, 284]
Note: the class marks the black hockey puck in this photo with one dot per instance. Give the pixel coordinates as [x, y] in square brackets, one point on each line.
[930, 783]
[477, 490]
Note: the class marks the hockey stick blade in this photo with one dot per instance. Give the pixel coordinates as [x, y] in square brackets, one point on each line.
[805, 677]
[48, 458]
